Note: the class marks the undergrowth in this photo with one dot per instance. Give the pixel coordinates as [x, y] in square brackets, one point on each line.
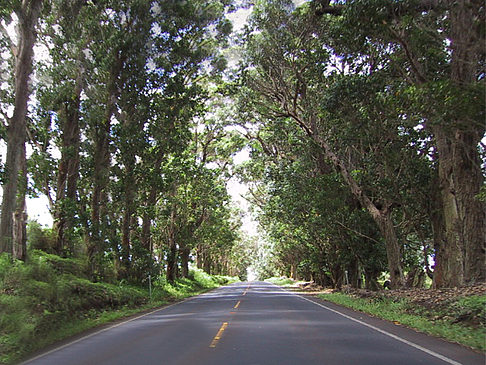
[447, 322]
[49, 298]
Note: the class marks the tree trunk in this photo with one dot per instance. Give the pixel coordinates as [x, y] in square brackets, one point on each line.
[199, 256]
[19, 233]
[382, 217]
[353, 273]
[467, 42]
[207, 263]
[462, 259]
[172, 261]
[125, 241]
[293, 270]
[147, 219]
[16, 132]
[68, 171]
[452, 255]
[393, 251]
[371, 282]
[185, 252]
[101, 165]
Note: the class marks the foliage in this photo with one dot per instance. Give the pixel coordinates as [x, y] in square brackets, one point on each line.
[333, 107]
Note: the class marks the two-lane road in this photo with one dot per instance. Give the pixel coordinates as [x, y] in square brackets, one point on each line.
[256, 323]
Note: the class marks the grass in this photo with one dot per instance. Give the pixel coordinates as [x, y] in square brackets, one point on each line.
[50, 298]
[447, 322]
[281, 281]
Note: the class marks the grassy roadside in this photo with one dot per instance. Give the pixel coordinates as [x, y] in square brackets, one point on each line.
[49, 299]
[282, 281]
[462, 321]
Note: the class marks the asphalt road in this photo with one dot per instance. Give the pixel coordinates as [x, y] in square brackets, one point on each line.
[255, 323]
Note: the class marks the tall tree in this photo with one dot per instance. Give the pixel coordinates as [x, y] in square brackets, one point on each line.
[438, 48]
[13, 205]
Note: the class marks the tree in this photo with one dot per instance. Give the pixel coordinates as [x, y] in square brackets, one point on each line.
[438, 49]
[13, 218]
[292, 82]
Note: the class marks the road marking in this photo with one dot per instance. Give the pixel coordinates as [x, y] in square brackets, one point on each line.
[218, 335]
[237, 304]
[412, 344]
[115, 326]
[246, 290]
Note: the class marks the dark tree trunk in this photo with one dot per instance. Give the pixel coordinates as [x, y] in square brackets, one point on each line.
[172, 261]
[207, 263]
[185, 252]
[199, 257]
[16, 132]
[353, 273]
[371, 282]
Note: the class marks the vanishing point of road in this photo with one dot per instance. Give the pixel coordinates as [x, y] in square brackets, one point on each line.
[255, 323]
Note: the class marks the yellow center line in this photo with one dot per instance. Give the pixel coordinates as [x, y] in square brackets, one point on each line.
[237, 304]
[246, 290]
[218, 335]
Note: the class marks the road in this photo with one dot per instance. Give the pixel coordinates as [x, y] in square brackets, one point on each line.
[255, 323]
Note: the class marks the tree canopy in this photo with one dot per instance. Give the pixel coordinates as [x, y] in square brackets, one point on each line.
[364, 120]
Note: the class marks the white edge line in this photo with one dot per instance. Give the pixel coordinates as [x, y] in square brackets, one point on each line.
[109, 328]
[414, 345]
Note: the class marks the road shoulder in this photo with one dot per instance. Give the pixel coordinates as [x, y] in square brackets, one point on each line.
[456, 352]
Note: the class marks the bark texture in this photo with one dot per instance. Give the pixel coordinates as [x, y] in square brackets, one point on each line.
[462, 259]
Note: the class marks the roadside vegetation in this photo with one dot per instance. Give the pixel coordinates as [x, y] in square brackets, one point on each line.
[48, 298]
[461, 320]
[282, 281]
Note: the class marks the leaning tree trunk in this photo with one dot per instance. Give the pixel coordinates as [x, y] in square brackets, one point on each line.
[16, 132]
[382, 217]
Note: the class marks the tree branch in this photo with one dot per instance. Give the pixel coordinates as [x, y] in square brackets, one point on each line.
[357, 232]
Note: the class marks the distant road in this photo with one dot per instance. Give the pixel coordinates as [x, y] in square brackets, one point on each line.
[256, 323]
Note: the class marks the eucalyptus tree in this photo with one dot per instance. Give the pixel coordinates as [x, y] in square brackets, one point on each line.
[60, 123]
[437, 49]
[13, 219]
[123, 86]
